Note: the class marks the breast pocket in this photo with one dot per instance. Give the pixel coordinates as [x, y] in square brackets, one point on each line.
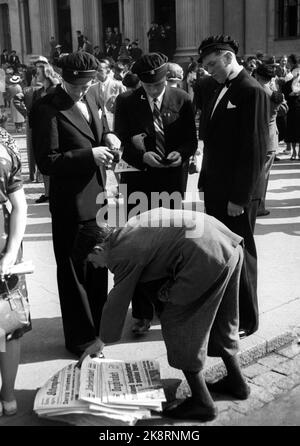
[170, 117]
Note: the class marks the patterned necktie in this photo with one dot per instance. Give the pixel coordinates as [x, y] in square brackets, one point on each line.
[159, 130]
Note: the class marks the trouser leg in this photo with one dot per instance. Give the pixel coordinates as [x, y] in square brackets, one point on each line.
[244, 226]
[224, 336]
[187, 328]
[77, 322]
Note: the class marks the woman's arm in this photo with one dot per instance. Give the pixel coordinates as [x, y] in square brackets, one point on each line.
[16, 230]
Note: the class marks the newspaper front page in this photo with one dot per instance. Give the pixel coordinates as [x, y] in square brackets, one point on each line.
[118, 390]
[61, 393]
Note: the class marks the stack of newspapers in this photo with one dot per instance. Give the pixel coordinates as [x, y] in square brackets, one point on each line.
[102, 392]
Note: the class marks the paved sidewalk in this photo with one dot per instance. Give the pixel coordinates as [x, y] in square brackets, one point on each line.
[278, 246]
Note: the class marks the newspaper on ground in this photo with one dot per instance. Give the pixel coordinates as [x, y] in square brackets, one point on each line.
[109, 391]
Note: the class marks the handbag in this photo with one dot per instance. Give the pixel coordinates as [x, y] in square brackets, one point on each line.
[14, 310]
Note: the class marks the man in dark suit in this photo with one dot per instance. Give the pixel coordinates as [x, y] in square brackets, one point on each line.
[235, 132]
[157, 128]
[70, 144]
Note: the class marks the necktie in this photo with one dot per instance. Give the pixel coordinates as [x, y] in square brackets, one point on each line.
[159, 130]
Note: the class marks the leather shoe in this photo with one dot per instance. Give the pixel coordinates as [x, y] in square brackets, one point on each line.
[141, 326]
[263, 213]
[42, 199]
[189, 410]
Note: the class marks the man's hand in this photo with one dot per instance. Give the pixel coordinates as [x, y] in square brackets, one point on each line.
[138, 141]
[176, 159]
[94, 349]
[152, 159]
[234, 210]
[112, 141]
[103, 156]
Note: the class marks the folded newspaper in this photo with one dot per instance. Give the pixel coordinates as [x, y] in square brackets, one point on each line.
[116, 392]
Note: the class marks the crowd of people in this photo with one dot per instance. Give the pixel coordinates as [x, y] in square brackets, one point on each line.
[198, 272]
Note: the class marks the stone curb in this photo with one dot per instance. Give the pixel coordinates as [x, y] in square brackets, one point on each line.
[251, 354]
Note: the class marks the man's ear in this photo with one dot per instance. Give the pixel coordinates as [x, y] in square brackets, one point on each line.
[228, 58]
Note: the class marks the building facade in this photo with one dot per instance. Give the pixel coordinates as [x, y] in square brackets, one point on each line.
[269, 26]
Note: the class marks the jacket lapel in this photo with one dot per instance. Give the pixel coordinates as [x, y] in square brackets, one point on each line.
[74, 116]
[68, 109]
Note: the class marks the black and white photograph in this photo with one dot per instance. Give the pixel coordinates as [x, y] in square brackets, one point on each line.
[150, 216]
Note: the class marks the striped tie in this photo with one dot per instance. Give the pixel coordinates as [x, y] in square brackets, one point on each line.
[159, 130]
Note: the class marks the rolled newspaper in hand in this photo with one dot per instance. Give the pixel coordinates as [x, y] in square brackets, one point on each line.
[22, 268]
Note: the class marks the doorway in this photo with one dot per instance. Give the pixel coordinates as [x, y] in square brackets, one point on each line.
[64, 27]
[165, 12]
[5, 38]
[110, 14]
[165, 17]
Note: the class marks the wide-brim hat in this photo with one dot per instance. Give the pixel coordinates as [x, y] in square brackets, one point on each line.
[15, 79]
[41, 59]
[174, 72]
[151, 68]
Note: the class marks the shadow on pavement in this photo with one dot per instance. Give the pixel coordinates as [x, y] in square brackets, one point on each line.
[45, 342]
[26, 416]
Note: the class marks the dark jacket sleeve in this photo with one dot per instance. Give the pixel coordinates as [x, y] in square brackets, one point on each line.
[123, 128]
[188, 145]
[115, 310]
[254, 140]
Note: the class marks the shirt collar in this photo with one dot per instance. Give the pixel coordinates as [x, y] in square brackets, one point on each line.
[236, 73]
[159, 99]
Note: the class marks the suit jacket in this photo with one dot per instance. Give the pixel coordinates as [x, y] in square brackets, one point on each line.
[134, 116]
[189, 249]
[275, 108]
[236, 139]
[63, 142]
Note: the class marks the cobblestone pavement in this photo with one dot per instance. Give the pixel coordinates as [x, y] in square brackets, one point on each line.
[271, 379]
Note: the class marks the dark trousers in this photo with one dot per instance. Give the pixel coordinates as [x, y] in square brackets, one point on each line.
[82, 288]
[244, 226]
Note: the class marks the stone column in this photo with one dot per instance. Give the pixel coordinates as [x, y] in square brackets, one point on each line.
[129, 19]
[91, 21]
[35, 26]
[14, 25]
[46, 29]
[77, 20]
[142, 19]
[52, 19]
[192, 26]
